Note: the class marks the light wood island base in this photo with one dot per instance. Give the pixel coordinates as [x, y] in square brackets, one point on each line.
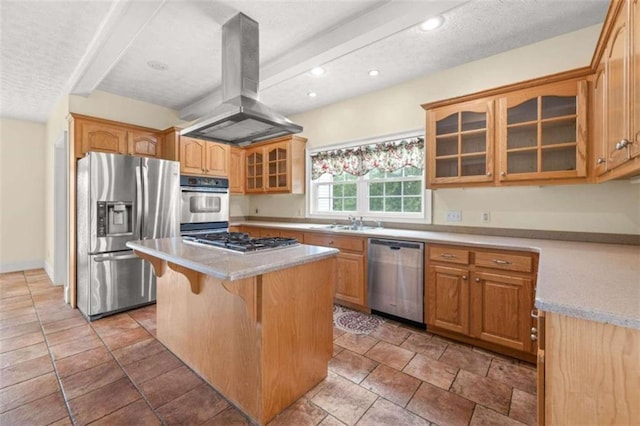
[262, 341]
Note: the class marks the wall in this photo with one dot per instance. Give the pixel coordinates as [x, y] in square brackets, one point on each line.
[609, 207]
[22, 194]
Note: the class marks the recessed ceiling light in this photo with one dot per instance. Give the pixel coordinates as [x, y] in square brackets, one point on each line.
[312, 94]
[318, 71]
[432, 23]
[374, 73]
[157, 65]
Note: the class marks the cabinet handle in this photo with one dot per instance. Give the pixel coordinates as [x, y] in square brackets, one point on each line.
[534, 330]
[501, 262]
[489, 174]
[600, 161]
[448, 256]
[533, 337]
[464, 277]
[623, 144]
[534, 314]
[477, 280]
[503, 174]
[331, 242]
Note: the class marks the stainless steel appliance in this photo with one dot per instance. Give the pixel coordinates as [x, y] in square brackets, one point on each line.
[204, 205]
[121, 198]
[396, 278]
[241, 117]
[240, 242]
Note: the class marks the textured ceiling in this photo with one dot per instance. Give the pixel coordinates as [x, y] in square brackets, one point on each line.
[37, 66]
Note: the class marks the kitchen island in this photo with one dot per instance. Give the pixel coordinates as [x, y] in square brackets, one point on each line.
[256, 326]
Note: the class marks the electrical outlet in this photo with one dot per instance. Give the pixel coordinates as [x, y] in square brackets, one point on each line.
[454, 216]
[486, 217]
[256, 211]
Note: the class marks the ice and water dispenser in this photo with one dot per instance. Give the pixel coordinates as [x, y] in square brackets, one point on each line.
[114, 218]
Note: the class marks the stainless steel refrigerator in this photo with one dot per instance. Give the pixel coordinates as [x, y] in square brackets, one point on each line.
[121, 198]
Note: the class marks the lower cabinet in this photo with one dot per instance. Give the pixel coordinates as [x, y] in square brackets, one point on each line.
[351, 283]
[482, 297]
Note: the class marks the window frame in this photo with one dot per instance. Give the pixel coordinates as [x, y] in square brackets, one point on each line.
[362, 187]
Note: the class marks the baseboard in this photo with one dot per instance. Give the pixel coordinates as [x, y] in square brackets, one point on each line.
[22, 266]
[49, 270]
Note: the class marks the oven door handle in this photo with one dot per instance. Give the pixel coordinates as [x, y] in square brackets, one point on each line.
[209, 190]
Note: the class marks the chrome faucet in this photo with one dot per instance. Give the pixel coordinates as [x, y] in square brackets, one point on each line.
[352, 220]
[360, 223]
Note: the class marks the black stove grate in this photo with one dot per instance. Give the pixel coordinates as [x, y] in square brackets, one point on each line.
[240, 241]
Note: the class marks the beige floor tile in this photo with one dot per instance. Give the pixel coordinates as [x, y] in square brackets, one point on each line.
[25, 370]
[425, 345]
[431, 371]
[391, 355]
[383, 412]
[466, 359]
[351, 365]
[390, 333]
[391, 384]
[483, 416]
[359, 343]
[513, 374]
[440, 406]
[344, 400]
[194, 407]
[523, 407]
[488, 392]
[301, 413]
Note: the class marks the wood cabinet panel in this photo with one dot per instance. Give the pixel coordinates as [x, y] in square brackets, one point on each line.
[101, 137]
[501, 260]
[192, 155]
[236, 170]
[339, 242]
[591, 372]
[447, 298]
[599, 123]
[216, 159]
[254, 171]
[448, 254]
[500, 310]
[617, 112]
[634, 150]
[350, 281]
[146, 144]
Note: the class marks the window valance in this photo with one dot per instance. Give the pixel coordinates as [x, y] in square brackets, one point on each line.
[358, 161]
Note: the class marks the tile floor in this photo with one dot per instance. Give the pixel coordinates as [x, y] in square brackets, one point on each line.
[56, 368]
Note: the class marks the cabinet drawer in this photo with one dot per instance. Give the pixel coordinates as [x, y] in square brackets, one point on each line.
[509, 262]
[450, 255]
[339, 242]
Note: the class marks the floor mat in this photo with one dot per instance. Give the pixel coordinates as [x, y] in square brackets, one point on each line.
[353, 321]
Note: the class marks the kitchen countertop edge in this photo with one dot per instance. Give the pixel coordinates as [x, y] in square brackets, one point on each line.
[226, 265]
[581, 291]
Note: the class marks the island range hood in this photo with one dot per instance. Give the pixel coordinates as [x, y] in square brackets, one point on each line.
[241, 117]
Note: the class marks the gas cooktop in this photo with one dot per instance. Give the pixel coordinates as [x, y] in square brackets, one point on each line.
[240, 242]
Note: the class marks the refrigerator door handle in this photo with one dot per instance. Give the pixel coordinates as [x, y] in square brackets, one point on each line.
[114, 257]
[145, 186]
[138, 229]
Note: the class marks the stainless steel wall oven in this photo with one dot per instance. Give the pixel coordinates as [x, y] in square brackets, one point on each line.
[204, 205]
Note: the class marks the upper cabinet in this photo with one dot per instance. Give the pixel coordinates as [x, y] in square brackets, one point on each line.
[533, 135]
[198, 157]
[616, 94]
[95, 134]
[276, 166]
[460, 143]
[541, 132]
[236, 170]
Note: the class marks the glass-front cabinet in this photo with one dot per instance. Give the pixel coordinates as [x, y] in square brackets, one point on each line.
[541, 132]
[254, 171]
[460, 143]
[277, 167]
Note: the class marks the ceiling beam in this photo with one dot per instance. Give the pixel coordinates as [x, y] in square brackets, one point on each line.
[124, 22]
[375, 24]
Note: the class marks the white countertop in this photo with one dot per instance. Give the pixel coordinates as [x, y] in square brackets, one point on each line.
[228, 265]
[598, 282]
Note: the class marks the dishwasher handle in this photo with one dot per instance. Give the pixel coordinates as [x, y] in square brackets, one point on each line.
[397, 245]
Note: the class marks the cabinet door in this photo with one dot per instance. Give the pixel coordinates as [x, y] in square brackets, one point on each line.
[542, 132]
[460, 143]
[192, 156]
[350, 285]
[216, 159]
[635, 79]
[236, 170]
[277, 159]
[616, 57]
[600, 121]
[500, 310]
[254, 170]
[103, 138]
[146, 144]
[447, 298]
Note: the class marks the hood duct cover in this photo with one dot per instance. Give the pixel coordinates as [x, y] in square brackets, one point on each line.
[241, 117]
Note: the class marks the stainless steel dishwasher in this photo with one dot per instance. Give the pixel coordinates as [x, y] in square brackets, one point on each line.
[396, 278]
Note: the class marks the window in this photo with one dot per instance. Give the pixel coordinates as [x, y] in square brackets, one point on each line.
[377, 181]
